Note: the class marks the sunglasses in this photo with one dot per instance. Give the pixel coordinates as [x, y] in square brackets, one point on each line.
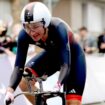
[32, 26]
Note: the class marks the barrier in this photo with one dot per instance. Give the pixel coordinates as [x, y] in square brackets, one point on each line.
[95, 83]
[5, 72]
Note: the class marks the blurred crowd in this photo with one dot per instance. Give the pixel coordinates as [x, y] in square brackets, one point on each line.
[90, 43]
[8, 42]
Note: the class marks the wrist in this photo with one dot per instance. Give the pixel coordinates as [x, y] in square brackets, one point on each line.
[9, 89]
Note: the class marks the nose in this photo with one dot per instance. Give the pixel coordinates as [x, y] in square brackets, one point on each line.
[32, 32]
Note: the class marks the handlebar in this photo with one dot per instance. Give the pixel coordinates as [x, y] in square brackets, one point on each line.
[46, 94]
[8, 102]
[40, 93]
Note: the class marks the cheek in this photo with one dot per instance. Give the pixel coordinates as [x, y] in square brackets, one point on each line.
[41, 35]
[41, 30]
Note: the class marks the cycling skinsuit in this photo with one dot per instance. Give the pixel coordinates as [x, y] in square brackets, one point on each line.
[60, 48]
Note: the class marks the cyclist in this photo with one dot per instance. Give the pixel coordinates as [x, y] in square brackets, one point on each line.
[61, 53]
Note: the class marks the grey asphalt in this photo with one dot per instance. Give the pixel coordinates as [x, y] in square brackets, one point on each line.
[98, 103]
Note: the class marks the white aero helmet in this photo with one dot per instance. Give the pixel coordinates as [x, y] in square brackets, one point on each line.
[36, 12]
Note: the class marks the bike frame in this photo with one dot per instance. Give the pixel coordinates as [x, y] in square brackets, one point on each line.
[40, 94]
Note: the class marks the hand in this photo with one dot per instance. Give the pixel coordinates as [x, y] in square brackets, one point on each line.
[9, 98]
[57, 87]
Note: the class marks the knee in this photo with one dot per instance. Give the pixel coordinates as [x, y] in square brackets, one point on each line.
[23, 85]
[73, 102]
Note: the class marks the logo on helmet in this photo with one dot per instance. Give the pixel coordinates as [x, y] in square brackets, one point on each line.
[29, 16]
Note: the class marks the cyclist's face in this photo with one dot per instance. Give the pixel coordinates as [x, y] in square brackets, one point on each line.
[35, 30]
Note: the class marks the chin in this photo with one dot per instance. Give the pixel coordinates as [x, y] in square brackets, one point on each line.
[37, 39]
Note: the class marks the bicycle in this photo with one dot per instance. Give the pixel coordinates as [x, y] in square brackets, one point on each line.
[41, 96]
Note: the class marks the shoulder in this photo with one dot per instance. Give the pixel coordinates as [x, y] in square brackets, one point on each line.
[57, 21]
[23, 35]
[61, 29]
[23, 38]
[60, 24]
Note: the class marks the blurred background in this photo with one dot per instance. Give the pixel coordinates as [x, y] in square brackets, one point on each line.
[77, 13]
[87, 20]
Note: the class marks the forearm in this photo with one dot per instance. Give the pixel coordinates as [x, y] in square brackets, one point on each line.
[63, 73]
[16, 77]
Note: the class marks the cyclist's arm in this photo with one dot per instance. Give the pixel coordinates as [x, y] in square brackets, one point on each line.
[64, 53]
[22, 48]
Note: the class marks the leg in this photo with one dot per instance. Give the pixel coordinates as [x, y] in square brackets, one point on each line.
[41, 64]
[76, 80]
[24, 87]
[34, 65]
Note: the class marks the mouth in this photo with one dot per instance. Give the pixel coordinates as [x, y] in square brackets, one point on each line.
[35, 36]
